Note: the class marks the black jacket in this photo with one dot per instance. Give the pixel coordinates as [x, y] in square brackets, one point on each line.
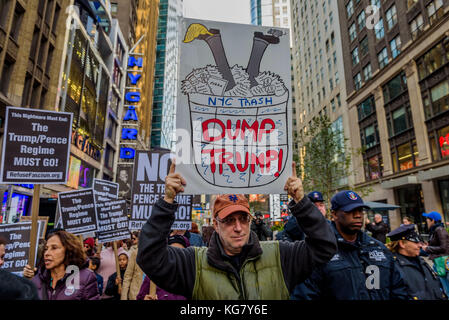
[379, 230]
[421, 281]
[261, 230]
[438, 242]
[13, 287]
[111, 287]
[352, 273]
[173, 269]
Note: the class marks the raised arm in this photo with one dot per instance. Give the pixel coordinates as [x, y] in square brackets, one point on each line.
[299, 258]
[170, 268]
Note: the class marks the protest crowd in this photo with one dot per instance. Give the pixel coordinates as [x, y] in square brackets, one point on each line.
[312, 258]
[139, 241]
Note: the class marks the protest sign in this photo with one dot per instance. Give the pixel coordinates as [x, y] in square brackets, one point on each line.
[17, 248]
[36, 146]
[112, 221]
[78, 211]
[104, 190]
[42, 224]
[234, 124]
[124, 178]
[150, 169]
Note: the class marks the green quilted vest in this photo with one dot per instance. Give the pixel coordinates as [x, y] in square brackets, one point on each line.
[261, 278]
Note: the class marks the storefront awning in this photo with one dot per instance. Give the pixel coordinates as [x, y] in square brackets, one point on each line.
[380, 206]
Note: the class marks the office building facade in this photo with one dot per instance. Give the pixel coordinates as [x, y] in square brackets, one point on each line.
[397, 83]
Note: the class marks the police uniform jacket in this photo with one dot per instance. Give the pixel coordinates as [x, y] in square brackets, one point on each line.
[363, 270]
[422, 283]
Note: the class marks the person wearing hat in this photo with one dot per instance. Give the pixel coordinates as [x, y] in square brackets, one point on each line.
[421, 282]
[362, 269]
[89, 244]
[236, 265]
[438, 243]
[260, 228]
[317, 198]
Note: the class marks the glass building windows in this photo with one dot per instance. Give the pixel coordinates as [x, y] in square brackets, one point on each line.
[379, 29]
[366, 108]
[395, 87]
[405, 156]
[395, 46]
[391, 16]
[417, 26]
[382, 57]
[352, 32]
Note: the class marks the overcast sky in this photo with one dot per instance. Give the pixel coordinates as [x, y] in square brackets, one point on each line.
[237, 11]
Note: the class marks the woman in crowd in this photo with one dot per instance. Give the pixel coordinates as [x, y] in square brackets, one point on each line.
[438, 243]
[63, 249]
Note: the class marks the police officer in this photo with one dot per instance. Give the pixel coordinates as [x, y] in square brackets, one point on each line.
[362, 269]
[422, 283]
[317, 198]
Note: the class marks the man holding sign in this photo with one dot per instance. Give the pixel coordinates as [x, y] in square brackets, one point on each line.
[235, 265]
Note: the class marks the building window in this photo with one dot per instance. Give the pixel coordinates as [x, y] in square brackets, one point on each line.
[392, 17]
[361, 20]
[440, 145]
[433, 60]
[4, 11]
[352, 32]
[433, 10]
[417, 26]
[350, 9]
[395, 46]
[337, 78]
[405, 156]
[366, 108]
[355, 56]
[357, 81]
[338, 100]
[17, 22]
[367, 72]
[411, 3]
[395, 87]
[370, 136]
[379, 29]
[439, 100]
[374, 167]
[333, 104]
[6, 74]
[334, 56]
[364, 49]
[383, 58]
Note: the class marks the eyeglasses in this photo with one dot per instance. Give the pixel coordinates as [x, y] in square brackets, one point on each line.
[230, 221]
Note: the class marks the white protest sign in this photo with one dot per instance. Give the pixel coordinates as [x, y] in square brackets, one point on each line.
[234, 122]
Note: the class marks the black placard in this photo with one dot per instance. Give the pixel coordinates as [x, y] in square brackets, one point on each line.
[78, 211]
[17, 248]
[112, 221]
[150, 169]
[105, 190]
[36, 146]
